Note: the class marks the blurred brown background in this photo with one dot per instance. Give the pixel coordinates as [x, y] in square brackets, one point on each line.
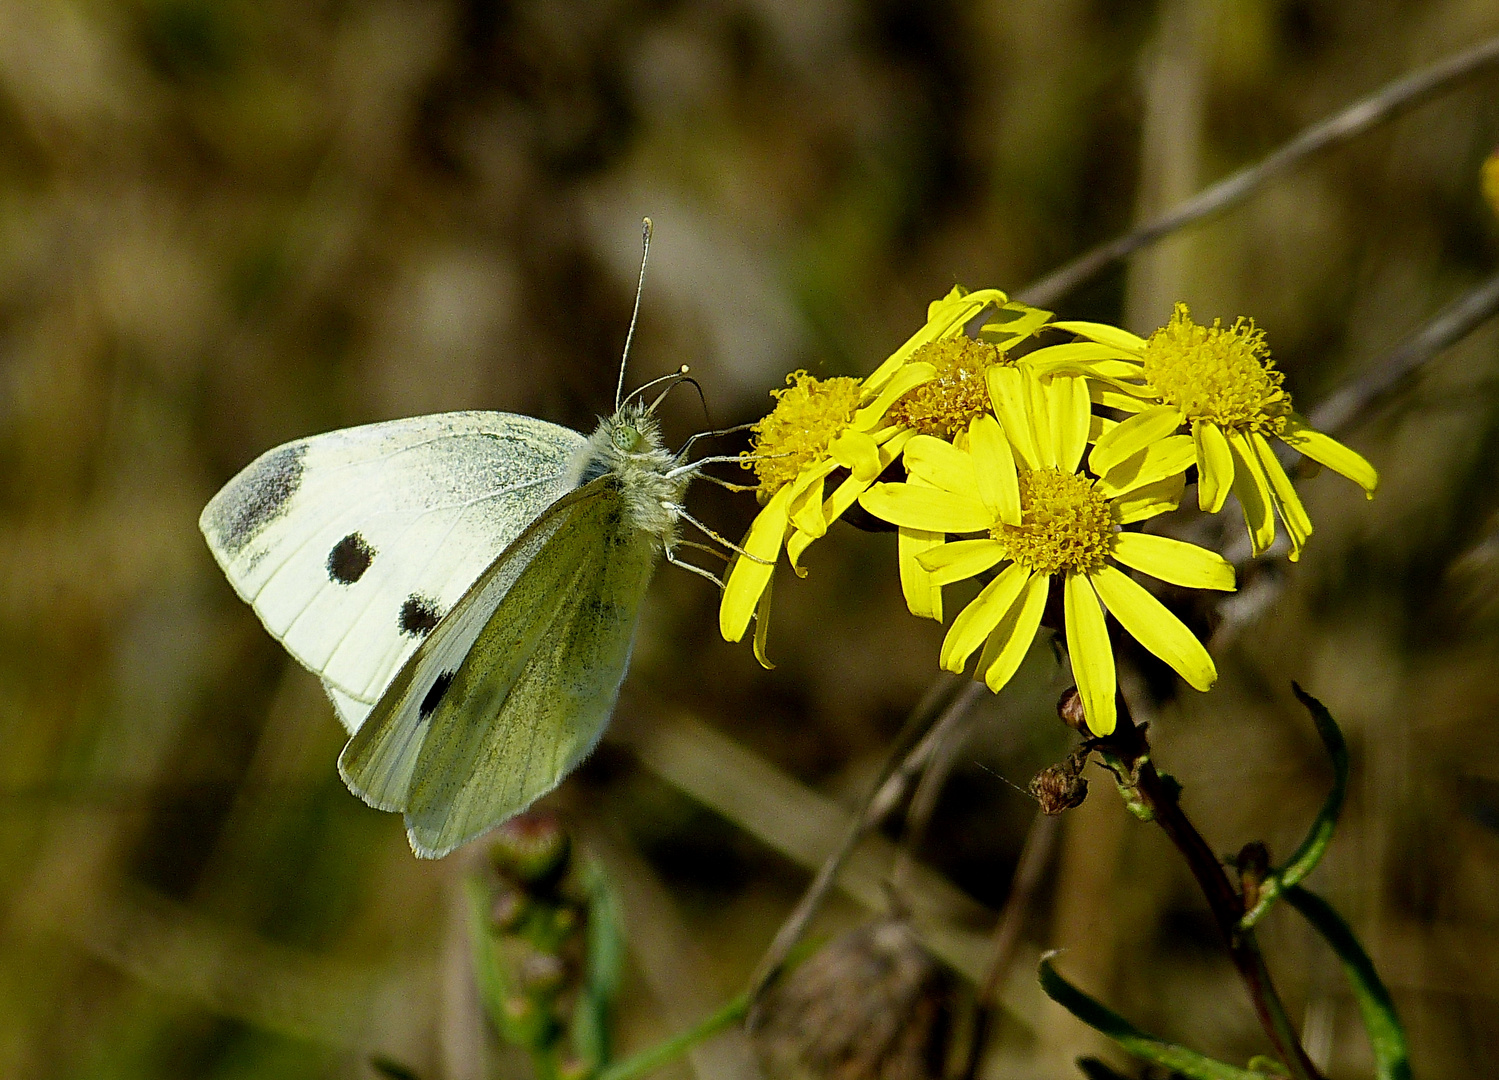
[227, 223]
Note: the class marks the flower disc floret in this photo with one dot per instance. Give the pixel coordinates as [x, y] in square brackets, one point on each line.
[1217, 373]
[956, 394]
[809, 413]
[1065, 524]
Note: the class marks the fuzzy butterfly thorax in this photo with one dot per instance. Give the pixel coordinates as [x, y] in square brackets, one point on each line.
[627, 449]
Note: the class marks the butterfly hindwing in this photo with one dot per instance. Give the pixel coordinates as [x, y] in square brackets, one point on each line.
[352, 546]
[528, 701]
[378, 761]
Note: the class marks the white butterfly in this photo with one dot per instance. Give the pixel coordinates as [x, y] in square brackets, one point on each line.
[466, 586]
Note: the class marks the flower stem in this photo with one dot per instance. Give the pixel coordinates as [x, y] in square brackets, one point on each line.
[1128, 753]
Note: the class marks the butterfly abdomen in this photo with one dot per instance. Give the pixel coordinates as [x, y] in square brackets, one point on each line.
[626, 450]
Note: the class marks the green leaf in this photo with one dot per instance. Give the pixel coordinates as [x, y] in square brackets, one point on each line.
[1101, 1018]
[1304, 860]
[605, 961]
[654, 1057]
[1386, 1035]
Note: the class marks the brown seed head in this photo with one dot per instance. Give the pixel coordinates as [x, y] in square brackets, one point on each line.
[871, 1005]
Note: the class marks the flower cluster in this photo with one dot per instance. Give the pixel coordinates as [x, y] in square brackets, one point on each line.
[994, 438]
[824, 428]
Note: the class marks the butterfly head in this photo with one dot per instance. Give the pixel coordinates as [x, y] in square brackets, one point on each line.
[627, 451]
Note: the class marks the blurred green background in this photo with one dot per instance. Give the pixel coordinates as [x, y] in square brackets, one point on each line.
[226, 223]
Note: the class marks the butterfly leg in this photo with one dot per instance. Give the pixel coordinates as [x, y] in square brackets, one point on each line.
[686, 446]
[698, 570]
[714, 536]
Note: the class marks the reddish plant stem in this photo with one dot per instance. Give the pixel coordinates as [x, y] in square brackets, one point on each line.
[1131, 755]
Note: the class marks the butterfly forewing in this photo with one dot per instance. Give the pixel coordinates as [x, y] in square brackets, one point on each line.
[352, 546]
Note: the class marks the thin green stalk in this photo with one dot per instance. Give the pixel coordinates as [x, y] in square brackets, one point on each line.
[663, 1052]
[1306, 857]
[1143, 1045]
[1375, 1006]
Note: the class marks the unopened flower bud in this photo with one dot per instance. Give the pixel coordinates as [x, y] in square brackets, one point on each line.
[1070, 709]
[508, 909]
[542, 972]
[1253, 863]
[532, 848]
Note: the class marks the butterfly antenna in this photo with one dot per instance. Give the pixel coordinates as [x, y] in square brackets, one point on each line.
[682, 377]
[645, 253]
[678, 376]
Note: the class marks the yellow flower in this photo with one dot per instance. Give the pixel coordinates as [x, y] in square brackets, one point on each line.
[1220, 383]
[1017, 493]
[821, 425]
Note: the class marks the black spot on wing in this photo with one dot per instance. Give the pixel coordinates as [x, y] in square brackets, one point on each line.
[419, 616]
[349, 559]
[434, 694]
[256, 499]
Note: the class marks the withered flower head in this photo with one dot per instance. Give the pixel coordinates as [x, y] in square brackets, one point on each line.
[871, 1005]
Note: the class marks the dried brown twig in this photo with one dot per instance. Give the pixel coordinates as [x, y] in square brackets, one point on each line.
[1447, 327]
[1035, 856]
[1368, 112]
[927, 728]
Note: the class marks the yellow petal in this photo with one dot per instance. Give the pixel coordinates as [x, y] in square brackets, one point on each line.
[1012, 322]
[1171, 456]
[1326, 450]
[923, 596]
[1075, 357]
[960, 559]
[901, 382]
[1132, 436]
[1011, 639]
[1070, 416]
[1150, 623]
[810, 475]
[797, 543]
[1098, 426]
[994, 469]
[1252, 490]
[1007, 394]
[806, 510]
[1292, 512]
[762, 627]
[978, 620]
[1105, 334]
[1091, 654]
[748, 579]
[944, 318]
[1105, 395]
[1148, 500]
[1175, 561]
[927, 508]
[941, 464]
[857, 452]
[892, 440]
[1215, 466]
[844, 496]
[1038, 409]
